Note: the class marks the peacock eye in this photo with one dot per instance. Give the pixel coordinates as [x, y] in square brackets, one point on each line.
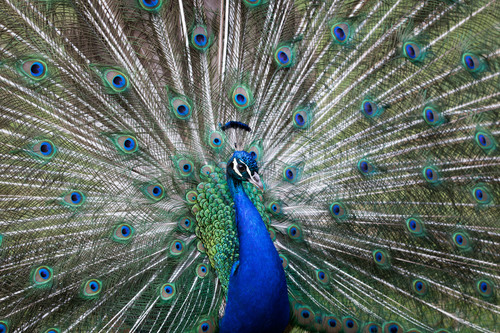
[116, 80]
[35, 69]
[241, 168]
[151, 5]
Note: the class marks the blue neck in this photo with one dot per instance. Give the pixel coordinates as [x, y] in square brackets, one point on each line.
[257, 299]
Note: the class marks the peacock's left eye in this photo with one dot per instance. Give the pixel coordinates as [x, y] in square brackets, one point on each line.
[241, 167]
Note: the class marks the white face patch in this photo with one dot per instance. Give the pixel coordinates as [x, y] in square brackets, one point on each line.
[236, 169]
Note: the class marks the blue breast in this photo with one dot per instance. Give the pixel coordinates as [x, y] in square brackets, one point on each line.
[257, 299]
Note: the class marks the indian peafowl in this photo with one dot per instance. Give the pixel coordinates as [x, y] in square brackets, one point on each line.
[249, 166]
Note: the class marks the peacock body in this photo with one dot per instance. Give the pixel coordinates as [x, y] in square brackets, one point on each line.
[249, 166]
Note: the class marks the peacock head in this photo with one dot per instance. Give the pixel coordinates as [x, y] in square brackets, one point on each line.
[242, 166]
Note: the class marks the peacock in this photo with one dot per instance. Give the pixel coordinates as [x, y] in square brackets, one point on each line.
[249, 166]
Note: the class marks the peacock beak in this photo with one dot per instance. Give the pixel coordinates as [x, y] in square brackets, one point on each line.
[255, 180]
